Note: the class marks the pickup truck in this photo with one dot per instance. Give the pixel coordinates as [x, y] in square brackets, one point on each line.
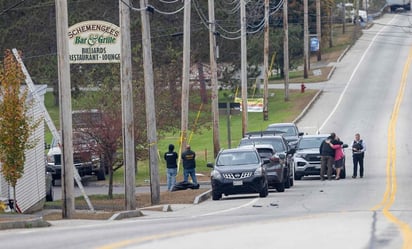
[85, 158]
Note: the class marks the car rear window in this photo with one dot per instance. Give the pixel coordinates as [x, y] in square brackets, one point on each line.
[286, 130]
[276, 143]
[237, 158]
[309, 143]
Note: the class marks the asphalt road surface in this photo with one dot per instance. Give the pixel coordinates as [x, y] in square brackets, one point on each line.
[369, 93]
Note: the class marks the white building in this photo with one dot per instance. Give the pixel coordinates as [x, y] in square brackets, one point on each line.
[31, 187]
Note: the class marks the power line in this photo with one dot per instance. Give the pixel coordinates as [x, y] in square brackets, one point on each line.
[12, 7]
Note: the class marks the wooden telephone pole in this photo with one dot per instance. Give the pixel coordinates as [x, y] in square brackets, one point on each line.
[266, 64]
[286, 48]
[185, 73]
[213, 78]
[65, 109]
[243, 77]
[150, 106]
[127, 107]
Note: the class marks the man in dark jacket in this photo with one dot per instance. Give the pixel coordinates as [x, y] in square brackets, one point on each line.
[327, 157]
[171, 164]
[189, 165]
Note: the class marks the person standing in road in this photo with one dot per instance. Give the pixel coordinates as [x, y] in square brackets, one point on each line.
[189, 165]
[171, 165]
[327, 157]
[358, 154]
[337, 146]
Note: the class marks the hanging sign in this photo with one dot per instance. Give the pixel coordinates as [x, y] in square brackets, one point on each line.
[94, 42]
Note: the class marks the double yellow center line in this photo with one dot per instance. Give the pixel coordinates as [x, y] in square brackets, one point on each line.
[391, 182]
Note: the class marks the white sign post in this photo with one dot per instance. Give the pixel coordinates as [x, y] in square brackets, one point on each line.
[94, 42]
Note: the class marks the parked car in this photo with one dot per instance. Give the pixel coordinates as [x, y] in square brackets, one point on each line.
[289, 130]
[275, 168]
[238, 171]
[281, 147]
[306, 159]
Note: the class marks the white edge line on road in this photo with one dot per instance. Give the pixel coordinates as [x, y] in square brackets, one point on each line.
[353, 75]
[228, 210]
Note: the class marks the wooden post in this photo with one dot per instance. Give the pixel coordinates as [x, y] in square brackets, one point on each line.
[127, 107]
[150, 106]
[213, 78]
[65, 109]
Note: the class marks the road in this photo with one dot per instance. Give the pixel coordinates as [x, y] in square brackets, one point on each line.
[368, 93]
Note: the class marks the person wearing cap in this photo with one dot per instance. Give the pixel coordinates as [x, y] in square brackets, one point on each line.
[171, 165]
[189, 165]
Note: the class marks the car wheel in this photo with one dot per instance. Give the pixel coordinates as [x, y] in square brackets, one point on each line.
[287, 183]
[100, 175]
[343, 172]
[216, 196]
[280, 187]
[264, 192]
[50, 194]
[297, 176]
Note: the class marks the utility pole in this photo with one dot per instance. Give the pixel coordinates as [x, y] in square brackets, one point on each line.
[65, 109]
[243, 78]
[305, 39]
[344, 17]
[266, 64]
[127, 107]
[286, 48]
[213, 77]
[319, 29]
[150, 105]
[185, 73]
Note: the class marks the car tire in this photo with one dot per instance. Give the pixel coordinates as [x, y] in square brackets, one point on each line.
[342, 174]
[287, 183]
[216, 196]
[280, 187]
[100, 175]
[50, 194]
[264, 192]
[298, 177]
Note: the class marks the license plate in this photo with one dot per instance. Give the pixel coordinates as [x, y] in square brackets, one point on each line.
[237, 183]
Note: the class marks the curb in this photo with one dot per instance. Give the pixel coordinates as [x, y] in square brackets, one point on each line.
[24, 223]
[126, 214]
[302, 114]
[203, 197]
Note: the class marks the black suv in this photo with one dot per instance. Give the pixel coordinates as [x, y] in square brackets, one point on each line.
[281, 147]
[238, 171]
[289, 130]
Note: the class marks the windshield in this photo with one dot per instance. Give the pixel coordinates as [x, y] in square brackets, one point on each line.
[237, 158]
[310, 143]
[276, 143]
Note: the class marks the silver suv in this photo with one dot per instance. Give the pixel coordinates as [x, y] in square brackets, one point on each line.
[306, 160]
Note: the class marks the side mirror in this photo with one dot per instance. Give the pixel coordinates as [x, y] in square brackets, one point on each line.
[210, 165]
[291, 151]
[266, 160]
[301, 134]
[345, 146]
[282, 156]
